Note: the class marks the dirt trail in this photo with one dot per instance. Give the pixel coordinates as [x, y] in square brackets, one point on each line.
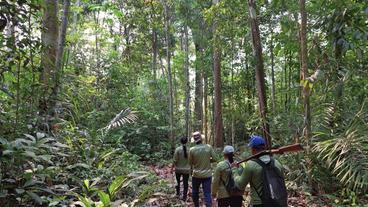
[166, 200]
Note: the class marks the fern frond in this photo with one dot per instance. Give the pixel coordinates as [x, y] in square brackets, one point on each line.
[125, 116]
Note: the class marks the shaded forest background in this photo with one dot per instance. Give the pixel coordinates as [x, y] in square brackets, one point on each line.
[167, 68]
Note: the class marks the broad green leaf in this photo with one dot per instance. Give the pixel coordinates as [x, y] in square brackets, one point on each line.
[31, 183]
[8, 152]
[19, 190]
[30, 137]
[86, 201]
[104, 197]
[35, 197]
[116, 185]
[83, 165]
[86, 184]
[30, 154]
[40, 135]
[46, 158]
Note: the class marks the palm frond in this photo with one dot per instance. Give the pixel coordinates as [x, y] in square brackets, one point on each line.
[125, 116]
[346, 152]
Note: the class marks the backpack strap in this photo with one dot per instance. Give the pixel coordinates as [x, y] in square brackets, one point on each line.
[229, 173]
[262, 164]
[271, 163]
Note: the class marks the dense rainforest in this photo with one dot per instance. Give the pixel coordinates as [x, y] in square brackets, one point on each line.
[95, 94]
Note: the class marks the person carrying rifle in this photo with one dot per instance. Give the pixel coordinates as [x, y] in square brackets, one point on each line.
[221, 178]
[182, 168]
[200, 158]
[265, 175]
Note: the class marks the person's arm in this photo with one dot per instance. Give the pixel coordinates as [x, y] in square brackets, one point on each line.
[190, 158]
[216, 181]
[213, 155]
[176, 157]
[242, 181]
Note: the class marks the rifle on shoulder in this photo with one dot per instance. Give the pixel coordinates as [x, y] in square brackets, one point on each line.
[281, 150]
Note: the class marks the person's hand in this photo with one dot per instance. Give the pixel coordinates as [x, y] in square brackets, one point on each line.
[235, 165]
[214, 200]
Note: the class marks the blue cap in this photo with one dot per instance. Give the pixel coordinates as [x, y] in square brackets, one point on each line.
[256, 141]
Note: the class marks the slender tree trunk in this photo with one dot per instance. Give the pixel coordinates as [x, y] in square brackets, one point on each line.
[154, 53]
[289, 81]
[231, 104]
[34, 96]
[286, 80]
[187, 88]
[257, 50]
[273, 91]
[60, 51]
[154, 43]
[49, 37]
[198, 114]
[306, 89]
[338, 106]
[18, 89]
[205, 108]
[217, 87]
[169, 74]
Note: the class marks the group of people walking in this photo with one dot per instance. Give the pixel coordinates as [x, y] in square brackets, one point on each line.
[217, 184]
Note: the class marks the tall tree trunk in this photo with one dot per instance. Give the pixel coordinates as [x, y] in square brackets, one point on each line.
[34, 100]
[205, 108]
[273, 91]
[198, 114]
[306, 89]
[289, 81]
[286, 80]
[231, 104]
[49, 37]
[186, 70]
[169, 73]
[338, 77]
[260, 76]
[154, 53]
[60, 51]
[217, 88]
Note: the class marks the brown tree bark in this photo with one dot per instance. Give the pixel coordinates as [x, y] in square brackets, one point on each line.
[169, 72]
[217, 88]
[49, 38]
[198, 101]
[260, 81]
[154, 53]
[187, 84]
[273, 91]
[306, 90]
[205, 107]
[60, 51]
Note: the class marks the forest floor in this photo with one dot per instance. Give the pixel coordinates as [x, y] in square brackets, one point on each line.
[164, 199]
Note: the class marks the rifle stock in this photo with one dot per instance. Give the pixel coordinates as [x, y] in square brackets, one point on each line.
[281, 150]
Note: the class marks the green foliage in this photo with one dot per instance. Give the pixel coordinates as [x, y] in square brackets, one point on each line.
[115, 57]
[28, 166]
[125, 116]
[106, 199]
[345, 151]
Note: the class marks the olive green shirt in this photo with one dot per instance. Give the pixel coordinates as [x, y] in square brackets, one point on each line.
[200, 158]
[180, 162]
[252, 173]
